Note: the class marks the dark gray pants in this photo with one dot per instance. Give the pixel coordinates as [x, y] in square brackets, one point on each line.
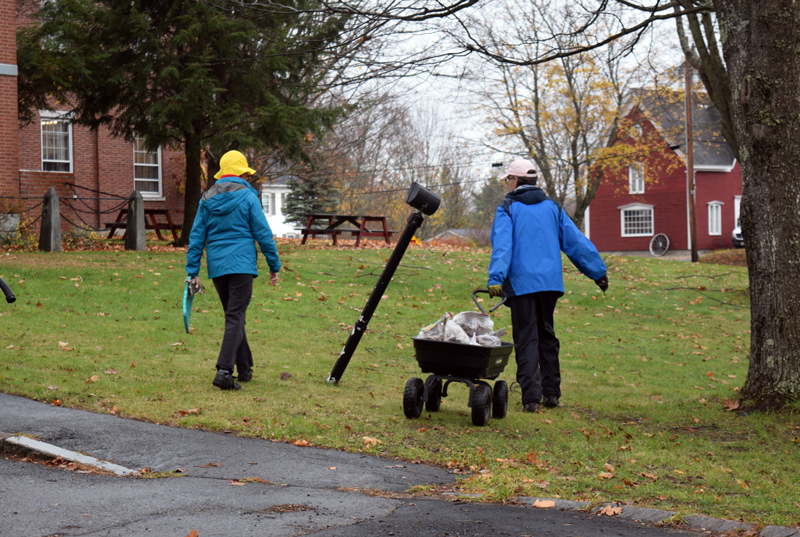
[536, 345]
[235, 291]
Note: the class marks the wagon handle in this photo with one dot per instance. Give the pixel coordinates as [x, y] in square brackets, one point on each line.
[474, 299]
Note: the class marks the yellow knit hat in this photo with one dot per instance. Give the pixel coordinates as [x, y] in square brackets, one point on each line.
[233, 163]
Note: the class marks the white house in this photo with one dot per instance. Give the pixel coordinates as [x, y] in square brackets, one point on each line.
[273, 200]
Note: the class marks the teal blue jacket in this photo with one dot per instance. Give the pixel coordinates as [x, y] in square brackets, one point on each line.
[529, 233]
[228, 225]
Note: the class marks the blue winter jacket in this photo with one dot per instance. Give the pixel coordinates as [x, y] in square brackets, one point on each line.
[528, 235]
[229, 222]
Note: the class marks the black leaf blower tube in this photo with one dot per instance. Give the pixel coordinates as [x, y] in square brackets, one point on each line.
[7, 291]
[425, 202]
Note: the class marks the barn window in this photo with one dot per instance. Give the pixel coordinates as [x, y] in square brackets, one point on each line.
[636, 220]
[636, 178]
[715, 218]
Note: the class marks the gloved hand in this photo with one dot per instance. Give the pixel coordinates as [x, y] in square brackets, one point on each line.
[602, 283]
[496, 290]
[195, 286]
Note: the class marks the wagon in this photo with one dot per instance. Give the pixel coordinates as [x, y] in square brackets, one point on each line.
[449, 362]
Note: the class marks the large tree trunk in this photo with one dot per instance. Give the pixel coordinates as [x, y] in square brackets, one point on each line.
[761, 43]
[194, 188]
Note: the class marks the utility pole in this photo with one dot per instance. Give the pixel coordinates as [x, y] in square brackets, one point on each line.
[690, 164]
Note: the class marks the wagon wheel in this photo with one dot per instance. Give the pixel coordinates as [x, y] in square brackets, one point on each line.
[412, 398]
[500, 399]
[434, 396]
[659, 245]
[481, 405]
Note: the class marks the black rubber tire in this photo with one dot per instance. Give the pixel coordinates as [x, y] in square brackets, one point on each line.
[482, 405]
[412, 398]
[434, 401]
[500, 400]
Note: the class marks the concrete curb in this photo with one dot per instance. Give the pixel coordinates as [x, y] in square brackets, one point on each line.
[657, 516]
[28, 446]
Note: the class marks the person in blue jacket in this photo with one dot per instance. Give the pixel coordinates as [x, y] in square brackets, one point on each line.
[529, 233]
[228, 225]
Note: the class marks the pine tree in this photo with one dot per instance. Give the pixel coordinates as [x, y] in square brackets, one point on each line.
[227, 74]
[311, 194]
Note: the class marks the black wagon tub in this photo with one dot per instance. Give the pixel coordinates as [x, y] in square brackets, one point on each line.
[449, 362]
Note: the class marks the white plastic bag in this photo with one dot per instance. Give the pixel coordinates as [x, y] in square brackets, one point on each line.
[467, 327]
[474, 323]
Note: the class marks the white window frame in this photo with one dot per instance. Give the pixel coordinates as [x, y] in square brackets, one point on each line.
[737, 210]
[632, 208]
[138, 149]
[265, 202]
[47, 116]
[715, 218]
[636, 178]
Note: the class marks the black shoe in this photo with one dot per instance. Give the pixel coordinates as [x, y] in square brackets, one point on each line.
[224, 381]
[550, 401]
[245, 376]
[530, 407]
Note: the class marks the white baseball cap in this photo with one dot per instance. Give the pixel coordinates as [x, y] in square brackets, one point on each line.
[521, 168]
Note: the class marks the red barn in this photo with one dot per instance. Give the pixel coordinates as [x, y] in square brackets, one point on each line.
[649, 196]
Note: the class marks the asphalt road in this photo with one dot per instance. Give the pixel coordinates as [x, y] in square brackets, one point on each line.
[225, 485]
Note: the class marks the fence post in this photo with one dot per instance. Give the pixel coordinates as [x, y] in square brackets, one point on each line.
[50, 230]
[135, 237]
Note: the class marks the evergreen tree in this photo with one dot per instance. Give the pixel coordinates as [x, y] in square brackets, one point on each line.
[227, 74]
[311, 194]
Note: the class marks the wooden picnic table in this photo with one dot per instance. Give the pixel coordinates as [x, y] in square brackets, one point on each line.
[153, 223]
[332, 222]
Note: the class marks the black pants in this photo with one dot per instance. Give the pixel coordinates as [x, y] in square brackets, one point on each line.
[235, 291]
[536, 345]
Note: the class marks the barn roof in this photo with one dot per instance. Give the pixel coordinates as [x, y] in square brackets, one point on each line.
[666, 110]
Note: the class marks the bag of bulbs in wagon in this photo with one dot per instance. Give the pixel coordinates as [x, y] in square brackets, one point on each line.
[467, 328]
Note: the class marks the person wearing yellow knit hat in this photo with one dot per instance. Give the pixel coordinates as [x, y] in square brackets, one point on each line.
[228, 225]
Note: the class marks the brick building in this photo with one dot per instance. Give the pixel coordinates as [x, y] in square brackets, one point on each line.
[92, 171]
[9, 143]
[629, 210]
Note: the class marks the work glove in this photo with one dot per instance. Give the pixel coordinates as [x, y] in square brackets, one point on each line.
[602, 283]
[195, 287]
[496, 290]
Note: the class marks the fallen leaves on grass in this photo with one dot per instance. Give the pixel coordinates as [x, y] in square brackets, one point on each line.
[371, 442]
[730, 404]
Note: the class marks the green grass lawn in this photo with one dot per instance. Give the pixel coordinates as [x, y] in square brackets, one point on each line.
[651, 371]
